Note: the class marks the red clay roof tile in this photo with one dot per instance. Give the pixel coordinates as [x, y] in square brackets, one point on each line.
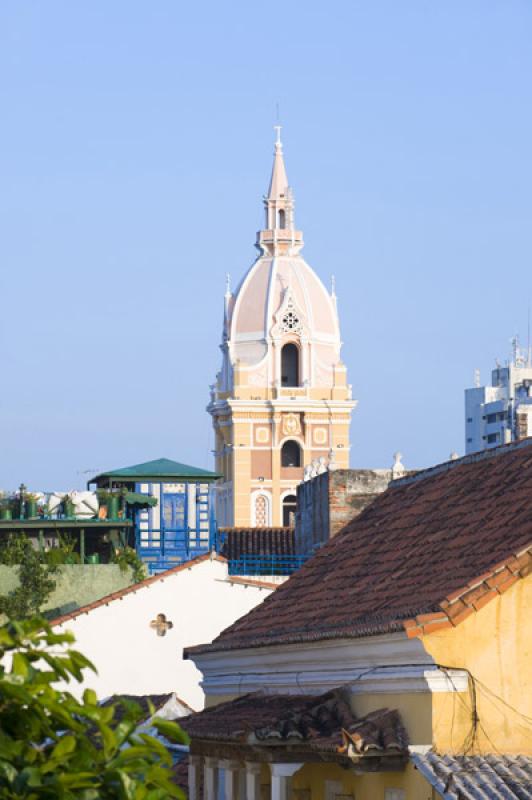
[318, 722]
[421, 546]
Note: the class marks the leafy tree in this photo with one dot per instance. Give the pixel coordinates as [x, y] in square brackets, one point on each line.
[35, 578]
[127, 558]
[55, 747]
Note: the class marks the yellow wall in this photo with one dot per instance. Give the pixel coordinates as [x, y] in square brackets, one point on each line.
[495, 644]
[415, 709]
[367, 786]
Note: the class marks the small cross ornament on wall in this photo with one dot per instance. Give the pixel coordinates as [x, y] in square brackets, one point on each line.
[161, 624]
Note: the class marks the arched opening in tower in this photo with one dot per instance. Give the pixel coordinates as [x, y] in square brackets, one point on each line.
[290, 365]
[290, 454]
[282, 219]
[289, 511]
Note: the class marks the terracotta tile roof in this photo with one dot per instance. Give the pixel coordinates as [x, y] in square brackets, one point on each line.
[260, 584]
[430, 550]
[318, 722]
[118, 700]
[240, 542]
[161, 576]
[477, 777]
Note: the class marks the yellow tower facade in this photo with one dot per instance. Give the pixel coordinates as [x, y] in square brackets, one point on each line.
[281, 405]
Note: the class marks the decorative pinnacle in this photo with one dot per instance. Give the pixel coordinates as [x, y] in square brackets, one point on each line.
[227, 283]
[278, 142]
[333, 286]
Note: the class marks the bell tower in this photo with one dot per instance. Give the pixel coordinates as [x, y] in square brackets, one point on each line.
[281, 401]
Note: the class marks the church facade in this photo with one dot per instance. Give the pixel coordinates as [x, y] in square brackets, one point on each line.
[281, 401]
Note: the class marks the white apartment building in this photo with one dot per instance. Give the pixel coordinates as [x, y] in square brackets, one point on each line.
[501, 412]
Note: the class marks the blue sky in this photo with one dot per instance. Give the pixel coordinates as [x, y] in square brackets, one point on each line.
[135, 145]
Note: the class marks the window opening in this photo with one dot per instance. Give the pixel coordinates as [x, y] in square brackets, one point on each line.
[290, 364]
[291, 454]
[290, 322]
[289, 511]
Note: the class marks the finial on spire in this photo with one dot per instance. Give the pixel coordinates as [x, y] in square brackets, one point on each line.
[333, 286]
[279, 181]
[227, 283]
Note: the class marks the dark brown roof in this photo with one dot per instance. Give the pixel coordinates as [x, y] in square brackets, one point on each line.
[158, 701]
[240, 542]
[425, 554]
[321, 722]
[180, 775]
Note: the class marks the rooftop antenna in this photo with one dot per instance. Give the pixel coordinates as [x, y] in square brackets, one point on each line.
[518, 357]
[477, 378]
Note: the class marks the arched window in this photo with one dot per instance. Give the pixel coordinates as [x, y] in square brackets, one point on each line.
[289, 511]
[262, 511]
[290, 454]
[290, 365]
[282, 219]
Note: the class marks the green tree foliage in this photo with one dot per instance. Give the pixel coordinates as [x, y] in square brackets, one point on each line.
[127, 558]
[55, 747]
[35, 578]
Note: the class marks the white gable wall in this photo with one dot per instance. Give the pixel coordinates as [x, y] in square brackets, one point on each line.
[129, 655]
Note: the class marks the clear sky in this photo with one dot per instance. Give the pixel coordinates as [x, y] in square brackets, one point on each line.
[135, 145]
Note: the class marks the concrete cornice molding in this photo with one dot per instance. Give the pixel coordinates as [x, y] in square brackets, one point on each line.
[279, 405]
[385, 664]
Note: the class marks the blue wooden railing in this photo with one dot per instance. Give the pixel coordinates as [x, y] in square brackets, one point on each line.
[266, 565]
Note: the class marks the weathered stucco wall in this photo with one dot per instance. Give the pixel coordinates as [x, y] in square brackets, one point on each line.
[77, 584]
[329, 501]
[325, 781]
[351, 490]
[495, 645]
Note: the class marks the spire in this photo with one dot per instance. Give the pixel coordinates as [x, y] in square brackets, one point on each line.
[278, 181]
[279, 236]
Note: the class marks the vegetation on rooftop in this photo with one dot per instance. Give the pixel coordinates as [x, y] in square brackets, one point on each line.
[36, 582]
[127, 558]
[36, 571]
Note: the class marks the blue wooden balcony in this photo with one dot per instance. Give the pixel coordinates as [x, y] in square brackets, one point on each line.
[266, 564]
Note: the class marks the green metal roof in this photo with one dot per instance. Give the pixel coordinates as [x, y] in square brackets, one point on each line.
[160, 468]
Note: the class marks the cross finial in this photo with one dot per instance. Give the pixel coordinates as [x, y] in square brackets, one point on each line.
[278, 142]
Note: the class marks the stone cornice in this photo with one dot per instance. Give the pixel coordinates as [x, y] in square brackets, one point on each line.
[379, 664]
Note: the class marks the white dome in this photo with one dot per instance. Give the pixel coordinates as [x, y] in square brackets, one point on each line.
[263, 293]
[280, 300]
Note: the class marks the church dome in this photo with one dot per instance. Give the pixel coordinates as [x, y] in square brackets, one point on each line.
[264, 291]
[280, 296]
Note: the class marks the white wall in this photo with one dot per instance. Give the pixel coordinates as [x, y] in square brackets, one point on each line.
[132, 659]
